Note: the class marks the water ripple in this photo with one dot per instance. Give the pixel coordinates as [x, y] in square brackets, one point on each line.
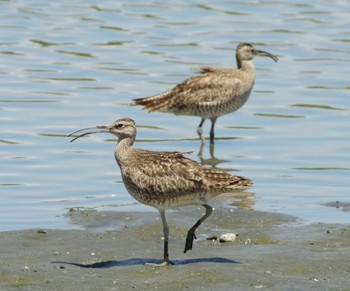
[68, 65]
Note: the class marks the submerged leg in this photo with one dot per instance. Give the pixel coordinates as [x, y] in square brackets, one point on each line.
[201, 150]
[200, 130]
[166, 242]
[211, 150]
[213, 120]
[191, 233]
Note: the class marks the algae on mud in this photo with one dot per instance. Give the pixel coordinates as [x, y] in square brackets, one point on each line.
[272, 252]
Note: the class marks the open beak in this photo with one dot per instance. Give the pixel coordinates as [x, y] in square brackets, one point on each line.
[265, 54]
[97, 129]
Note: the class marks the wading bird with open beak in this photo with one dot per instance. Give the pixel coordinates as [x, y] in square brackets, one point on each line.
[165, 179]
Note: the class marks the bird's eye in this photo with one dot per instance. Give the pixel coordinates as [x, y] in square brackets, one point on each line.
[119, 125]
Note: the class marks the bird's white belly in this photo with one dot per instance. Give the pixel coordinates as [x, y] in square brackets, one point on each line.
[215, 109]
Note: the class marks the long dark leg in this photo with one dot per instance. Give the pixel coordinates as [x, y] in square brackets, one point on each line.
[166, 241]
[191, 233]
[213, 120]
[166, 237]
[200, 130]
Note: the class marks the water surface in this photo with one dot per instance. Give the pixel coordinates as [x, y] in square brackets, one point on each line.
[67, 65]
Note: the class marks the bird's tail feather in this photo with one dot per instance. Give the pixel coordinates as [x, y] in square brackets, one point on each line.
[159, 102]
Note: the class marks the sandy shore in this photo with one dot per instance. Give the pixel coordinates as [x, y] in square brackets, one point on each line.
[272, 252]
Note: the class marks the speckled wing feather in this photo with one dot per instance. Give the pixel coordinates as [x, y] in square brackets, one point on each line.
[171, 173]
[210, 88]
[167, 173]
[218, 181]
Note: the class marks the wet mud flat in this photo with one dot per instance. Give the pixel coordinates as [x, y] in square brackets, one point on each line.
[109, 252]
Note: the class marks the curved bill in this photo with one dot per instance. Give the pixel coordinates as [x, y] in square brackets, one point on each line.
[266, 54]
[100, 128]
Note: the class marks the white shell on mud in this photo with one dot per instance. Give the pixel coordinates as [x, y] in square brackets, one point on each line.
[228, 237]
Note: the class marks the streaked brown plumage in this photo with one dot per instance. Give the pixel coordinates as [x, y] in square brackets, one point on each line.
[166, 179]
[213, 93]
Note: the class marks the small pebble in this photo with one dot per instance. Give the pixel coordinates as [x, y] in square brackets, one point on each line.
[212, 238]
[228, 237]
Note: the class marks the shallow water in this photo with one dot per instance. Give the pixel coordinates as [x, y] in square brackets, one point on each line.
[68, 65]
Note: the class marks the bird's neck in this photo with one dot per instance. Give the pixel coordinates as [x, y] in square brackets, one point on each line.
[122, 150]
[245, 65]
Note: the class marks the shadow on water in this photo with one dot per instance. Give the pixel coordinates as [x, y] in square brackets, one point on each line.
[143, 261]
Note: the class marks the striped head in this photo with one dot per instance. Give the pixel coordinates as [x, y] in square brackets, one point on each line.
[122, 128]
[246, 52]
